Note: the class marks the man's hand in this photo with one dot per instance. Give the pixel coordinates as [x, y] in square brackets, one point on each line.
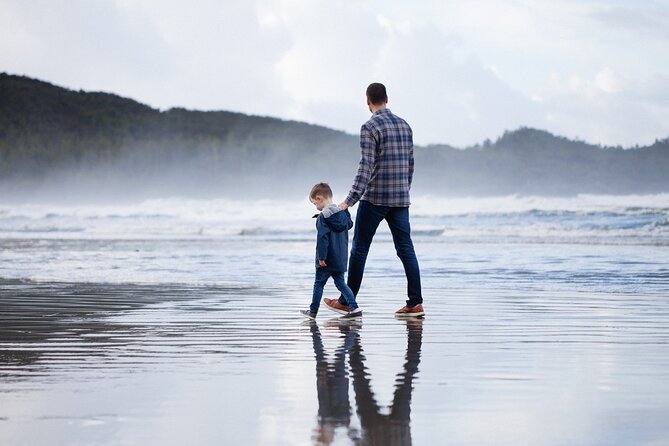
[322, 263]
[343, 206]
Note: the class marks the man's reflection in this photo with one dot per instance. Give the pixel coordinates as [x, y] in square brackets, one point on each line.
[332, 382]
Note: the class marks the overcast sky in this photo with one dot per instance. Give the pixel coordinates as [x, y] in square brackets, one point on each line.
[458, 71]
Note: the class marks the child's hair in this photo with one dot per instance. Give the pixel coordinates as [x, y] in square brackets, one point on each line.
[322, 189]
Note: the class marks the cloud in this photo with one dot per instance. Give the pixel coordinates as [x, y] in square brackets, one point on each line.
[458, 71]
[655, 90]
[606, 108]
[651, 20]
[338, 49]
[448, 100]
[329, 62]
[463, 71]
[167, 53]
[81, 44]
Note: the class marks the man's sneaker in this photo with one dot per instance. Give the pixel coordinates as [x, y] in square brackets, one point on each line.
[334, 305]
[352, 314]
[416, 311]
[308, 314]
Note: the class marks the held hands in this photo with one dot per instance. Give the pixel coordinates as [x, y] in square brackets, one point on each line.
[322, 263]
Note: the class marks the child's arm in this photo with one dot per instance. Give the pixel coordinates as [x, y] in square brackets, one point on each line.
[322, 241]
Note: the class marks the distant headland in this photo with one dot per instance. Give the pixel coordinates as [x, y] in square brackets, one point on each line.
[90, 144]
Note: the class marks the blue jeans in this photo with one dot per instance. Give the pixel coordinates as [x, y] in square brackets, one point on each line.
[322, 276]
[367, 220]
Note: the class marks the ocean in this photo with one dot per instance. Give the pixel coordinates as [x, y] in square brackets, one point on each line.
[176, 320]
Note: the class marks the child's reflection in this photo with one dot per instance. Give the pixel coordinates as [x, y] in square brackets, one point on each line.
[334, 408]
[332, 382]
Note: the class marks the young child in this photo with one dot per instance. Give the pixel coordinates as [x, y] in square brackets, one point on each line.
[332, 225]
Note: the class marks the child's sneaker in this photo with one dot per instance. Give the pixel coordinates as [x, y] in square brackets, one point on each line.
[353, 314]
[308, 314]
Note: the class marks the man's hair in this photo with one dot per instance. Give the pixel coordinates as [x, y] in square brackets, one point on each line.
[322, 189]
[377, 93]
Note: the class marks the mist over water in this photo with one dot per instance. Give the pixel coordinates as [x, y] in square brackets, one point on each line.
[143, 322]
[585, 218]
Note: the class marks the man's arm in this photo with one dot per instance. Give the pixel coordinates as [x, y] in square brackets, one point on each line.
[368, 144]
[411, 163]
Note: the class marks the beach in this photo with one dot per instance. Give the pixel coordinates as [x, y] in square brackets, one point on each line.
[172, 322]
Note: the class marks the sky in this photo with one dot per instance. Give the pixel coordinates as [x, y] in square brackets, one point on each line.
[458, 71]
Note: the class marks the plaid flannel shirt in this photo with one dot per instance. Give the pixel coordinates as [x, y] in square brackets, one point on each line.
[386, 166]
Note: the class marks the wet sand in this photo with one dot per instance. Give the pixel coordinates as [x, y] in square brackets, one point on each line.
[175, 364]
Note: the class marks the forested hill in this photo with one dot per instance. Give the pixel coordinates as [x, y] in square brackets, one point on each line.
[53, 135]
[534, 162]
[97, 144]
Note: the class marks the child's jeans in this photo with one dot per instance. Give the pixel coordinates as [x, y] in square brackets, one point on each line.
[322, 276]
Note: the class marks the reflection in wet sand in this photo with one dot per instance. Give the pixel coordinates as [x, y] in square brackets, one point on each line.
[332, 383]
[109, 364]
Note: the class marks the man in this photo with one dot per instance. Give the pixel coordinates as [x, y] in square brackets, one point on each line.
[381, 187]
